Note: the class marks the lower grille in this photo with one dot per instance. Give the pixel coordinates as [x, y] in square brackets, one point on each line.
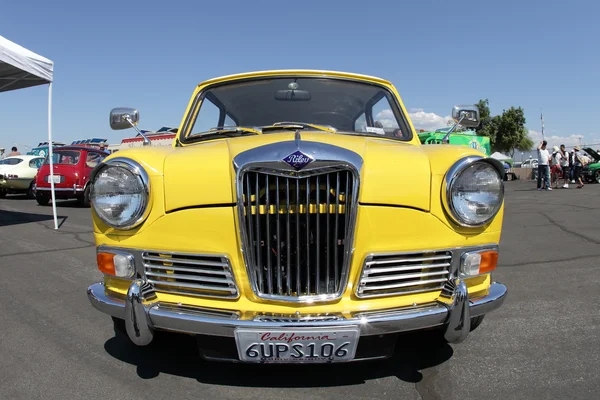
[404, 273]
[198, 275]
[284, 318]
[297, 232]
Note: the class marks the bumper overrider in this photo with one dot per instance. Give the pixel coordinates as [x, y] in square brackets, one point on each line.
[143, 314]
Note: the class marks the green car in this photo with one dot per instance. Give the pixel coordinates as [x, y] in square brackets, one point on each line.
[466, 138]
[591, 172]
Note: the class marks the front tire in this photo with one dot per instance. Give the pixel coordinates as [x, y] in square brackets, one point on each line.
[476, 321]
[85, 200]
[3, 193]
[42, 199]
[597, 176]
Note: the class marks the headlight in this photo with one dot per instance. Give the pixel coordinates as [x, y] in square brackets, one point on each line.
[474, 191]
[120, 192]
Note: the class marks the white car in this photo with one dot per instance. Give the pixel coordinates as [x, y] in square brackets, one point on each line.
[17, 174]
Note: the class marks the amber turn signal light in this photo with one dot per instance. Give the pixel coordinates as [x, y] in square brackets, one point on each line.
[115, 264]
[479, 262]
[489, 260]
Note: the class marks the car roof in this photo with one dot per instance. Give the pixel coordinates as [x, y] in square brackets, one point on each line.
[79, 148]
[295, 72]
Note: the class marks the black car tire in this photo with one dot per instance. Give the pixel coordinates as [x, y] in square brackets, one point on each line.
[31, 192]
[597, 176]
[3, 193]
[42, 199]
[476, 321]
[85, 199]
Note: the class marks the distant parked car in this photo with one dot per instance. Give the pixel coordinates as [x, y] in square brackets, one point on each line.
[17, 174]
[72, 168]
[591, 172]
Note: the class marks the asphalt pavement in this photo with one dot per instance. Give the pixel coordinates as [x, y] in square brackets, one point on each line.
[543, 343]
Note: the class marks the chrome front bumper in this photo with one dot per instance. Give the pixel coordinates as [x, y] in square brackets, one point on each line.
[142, 316]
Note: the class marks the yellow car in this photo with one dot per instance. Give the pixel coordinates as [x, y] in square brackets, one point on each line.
[297, 219]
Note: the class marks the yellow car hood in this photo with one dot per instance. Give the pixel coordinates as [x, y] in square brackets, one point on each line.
[393, 173]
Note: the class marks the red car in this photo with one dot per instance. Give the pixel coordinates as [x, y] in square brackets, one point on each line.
[72, 168]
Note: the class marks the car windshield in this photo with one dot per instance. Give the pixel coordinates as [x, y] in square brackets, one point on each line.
[347, 106]
[68, 157]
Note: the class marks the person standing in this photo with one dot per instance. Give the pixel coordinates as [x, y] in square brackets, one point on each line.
[555, 167]
[579, 163]
[14, 152]
[566, 167]
[543, 167]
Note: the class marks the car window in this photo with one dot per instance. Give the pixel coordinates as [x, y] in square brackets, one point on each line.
[208, 117]
[93, 159]
[65, 157]
[12, 161]
[36, 163]
[384, 118]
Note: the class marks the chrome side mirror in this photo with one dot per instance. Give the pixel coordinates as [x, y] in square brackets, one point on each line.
[467, 116]
[124, 118]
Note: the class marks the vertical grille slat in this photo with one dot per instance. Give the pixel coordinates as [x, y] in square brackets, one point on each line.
[268, 238]
[258, 238]
[308, 235]
[335, 237]
[277, 238]
[288, 244]
[328, 237]
[298, 276]
[300, 251]
[318, 222]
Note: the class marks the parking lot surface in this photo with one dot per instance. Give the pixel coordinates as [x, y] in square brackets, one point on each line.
[543, 343]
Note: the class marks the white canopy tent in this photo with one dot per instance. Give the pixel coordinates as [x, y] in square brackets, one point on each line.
[501, 157]
[21, 68]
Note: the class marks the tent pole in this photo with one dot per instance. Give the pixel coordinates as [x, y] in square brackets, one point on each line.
[51, 158]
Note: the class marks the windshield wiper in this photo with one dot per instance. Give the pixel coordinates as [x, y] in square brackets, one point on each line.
[212, 133]
[277, 126]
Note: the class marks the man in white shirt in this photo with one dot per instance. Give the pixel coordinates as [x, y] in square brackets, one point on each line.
[564, 163]
[543, 166]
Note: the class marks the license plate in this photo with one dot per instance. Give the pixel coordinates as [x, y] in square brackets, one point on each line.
[297, 345]
[55, 178]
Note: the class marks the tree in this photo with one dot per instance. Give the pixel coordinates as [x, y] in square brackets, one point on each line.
[526, 143]
[511, 131]
[484, 116]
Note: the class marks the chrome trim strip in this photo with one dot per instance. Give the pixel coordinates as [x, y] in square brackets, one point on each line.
[135, 168]
[60, 189]
[451, 176]
[268, 159]
[378, 322]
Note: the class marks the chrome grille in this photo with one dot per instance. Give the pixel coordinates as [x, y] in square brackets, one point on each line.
[192, 274]
[403, 273]
[297, 232]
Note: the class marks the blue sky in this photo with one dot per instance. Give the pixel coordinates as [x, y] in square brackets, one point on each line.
[150, 55]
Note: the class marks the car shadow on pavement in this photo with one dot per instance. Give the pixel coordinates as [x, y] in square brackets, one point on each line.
[176, 354]
[8, 218]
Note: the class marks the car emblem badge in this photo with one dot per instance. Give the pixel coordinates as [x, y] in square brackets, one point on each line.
[298, 160]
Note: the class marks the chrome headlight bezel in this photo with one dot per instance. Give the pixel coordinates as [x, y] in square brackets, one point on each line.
[454, 173]
[136, 169]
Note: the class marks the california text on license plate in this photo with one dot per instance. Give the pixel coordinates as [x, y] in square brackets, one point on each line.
[297, 345]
